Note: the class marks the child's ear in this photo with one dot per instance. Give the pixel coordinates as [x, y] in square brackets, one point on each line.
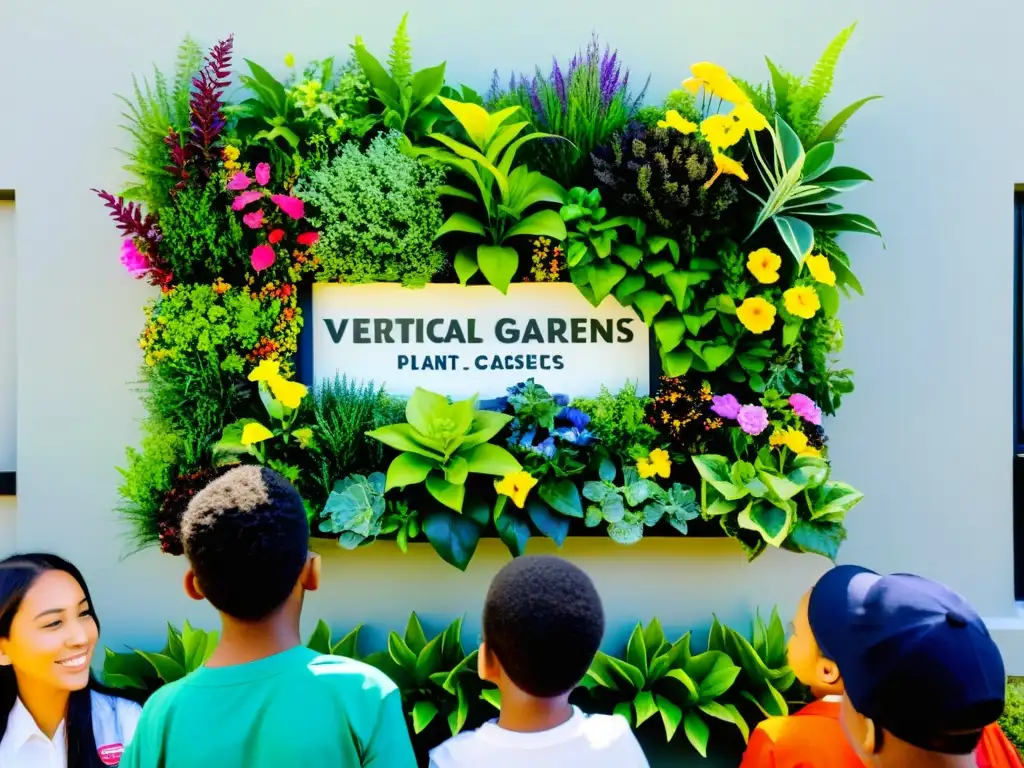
[828, 672]
[310, 576]
[192, 588]
[487, 666]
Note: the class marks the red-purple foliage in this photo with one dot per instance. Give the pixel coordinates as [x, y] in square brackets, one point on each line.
[180, 159]
[129, 219]
[207, 105]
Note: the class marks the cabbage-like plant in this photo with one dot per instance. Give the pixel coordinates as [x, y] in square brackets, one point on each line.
[442, 443]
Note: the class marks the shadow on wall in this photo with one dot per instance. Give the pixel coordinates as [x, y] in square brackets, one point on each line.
[8, 523]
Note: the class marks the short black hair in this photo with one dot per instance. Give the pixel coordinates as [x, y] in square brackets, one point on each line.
[544, 622]
[246, 537]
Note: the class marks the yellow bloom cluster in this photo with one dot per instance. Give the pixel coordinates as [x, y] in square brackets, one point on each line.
[657, 463]
[230, 155]
[764, 265]
[793, 439]
[288, 393]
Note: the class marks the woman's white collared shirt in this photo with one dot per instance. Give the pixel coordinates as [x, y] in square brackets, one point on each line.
[25, 746]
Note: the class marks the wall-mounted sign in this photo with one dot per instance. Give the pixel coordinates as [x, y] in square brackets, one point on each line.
[472, 340]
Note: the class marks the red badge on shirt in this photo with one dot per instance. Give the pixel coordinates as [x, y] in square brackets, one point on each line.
[111, 754]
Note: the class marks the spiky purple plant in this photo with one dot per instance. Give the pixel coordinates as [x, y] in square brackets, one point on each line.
[207, 104]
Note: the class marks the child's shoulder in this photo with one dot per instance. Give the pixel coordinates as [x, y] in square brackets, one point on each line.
[346, 672]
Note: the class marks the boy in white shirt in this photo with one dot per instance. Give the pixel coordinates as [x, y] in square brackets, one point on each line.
[542, 625]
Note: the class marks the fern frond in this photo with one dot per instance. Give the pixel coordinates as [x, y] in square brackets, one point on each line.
[400, 56]
[807, 101]
[190, 59]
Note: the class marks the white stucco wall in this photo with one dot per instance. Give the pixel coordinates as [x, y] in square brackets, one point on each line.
[926, 436]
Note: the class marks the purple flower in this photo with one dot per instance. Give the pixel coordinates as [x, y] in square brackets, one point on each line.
[726, 406]
[753, 419]
[576, 418]
[545, 447]
[559, 80]
[806, 409]
[134, 260]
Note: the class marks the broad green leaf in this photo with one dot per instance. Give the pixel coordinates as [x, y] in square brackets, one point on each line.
[695, 322]
[645, 706]
[818, 159]
[809, 471]
[348, 646]
[423, 713]
[426, 85]
[716, 710]
[562, 496]
[549, 522]
[453, 536]
[676, 363]
[791, 332]
[167, 669]
[513, 529]
[716, 355]
[697, 732]
[408, 469]
[415, 637]
[378, 77]
[630, 254]
[740, 649]
[546, 223]
[194, 645]
[658, 267]
[320, 640]
[678, 284]
[270, 85]
[449, 494]
[818, 538]
[401, 437]
[492, 696]
[835, 125]
[797, 234]
[475, 156]
[781, 488]
[841, 178]
[718, 682]
[490, 459]
[772, 522]
[498, 263]
[625, 290]
[716, 471]
[400, 652]
[486, 424]
[457, 719]
[450, 191]
[789, 143]
[649, 303]
[461, 222]
[776, 640]
[847, 222]
[833, 500]
[676, 656]
[472, 117]
[669, 331]
[678, 686]
[654, 638]
[829, 297]
[457, 470]
[507, 160]
[671, 716]
[127, 666]
[428, 661]
[624, 709]
[636, 650]
[604, 276]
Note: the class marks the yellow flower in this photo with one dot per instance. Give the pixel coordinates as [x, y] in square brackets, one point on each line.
[802, 301]
[764, 265]
[716, 81]
[254, 432]
[778, 438]
[748, 117]
[289, 60]
[657, 463]
[289, 393]
[795, 440]
[725, 164]
[265, 371]
[516, 486]
[721, 131]
[820, 270]
[304, 436]
[756, 314]
[230, 153]
[674, 120]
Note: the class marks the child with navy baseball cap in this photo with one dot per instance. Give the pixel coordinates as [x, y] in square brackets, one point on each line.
[924, 681]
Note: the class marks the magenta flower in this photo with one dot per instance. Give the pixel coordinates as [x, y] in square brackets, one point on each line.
[806, 409]
[753, 419]
[245, 198]
[254, 220]
[291, 206]
[262, 257]
[134, 260]
[239, 181]
[263, 174]
[726, 406]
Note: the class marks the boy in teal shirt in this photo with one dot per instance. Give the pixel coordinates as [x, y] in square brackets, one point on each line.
[263, 700]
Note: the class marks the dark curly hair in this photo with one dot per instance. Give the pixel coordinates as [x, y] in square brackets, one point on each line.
[246, 537]
[543, 621]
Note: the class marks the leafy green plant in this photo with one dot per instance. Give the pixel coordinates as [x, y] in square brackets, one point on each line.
[407, 97]
[504, 193]
[620, 421]
[799, 102]
[658, 678]
[341, 413]
[1012, 721]
[437, 677]
[638, 502]
[147, 475]
[269, 116]
[377, 212]
[799, 186]
[442, 444]
[322, 642]
[155, 107]
[185, 652]
[202, 237]
[355, 509]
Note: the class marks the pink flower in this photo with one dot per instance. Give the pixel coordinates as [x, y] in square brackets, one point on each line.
[753, 419]
[291, 206]
[239, 181]
[134, 260]
[806, 409]
[308, 238]
[245, 198]
[726, 406]
[275, 236]
[254, 220]
[262, 257]
[263, 174]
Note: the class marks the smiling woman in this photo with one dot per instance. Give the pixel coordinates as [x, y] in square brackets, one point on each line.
[52, 712]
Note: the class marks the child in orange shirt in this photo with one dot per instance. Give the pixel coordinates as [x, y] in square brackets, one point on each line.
[814, 737]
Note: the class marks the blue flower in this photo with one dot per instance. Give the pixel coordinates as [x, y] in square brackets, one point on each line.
[545, 447]
[573, 436]
[562, 400]
[576, 418]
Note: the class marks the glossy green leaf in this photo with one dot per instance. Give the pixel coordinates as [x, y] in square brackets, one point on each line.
[678, 284]
[320, 640]
[453, 536]
[669, 331]
[645, 707]
[348, 646]
[546, 223]
[817, 537]
[423, 713]
[832, 128]
[461, 222]
[449, 494]
[818, 159]
[636, 650]
[513, 529]
[604, 276]
[465, 264]
[676, 363]
[498, 264]
[771, 522]
[490, 459]
[697, 732]
[829, 298]
[797, 234]
[167, 669]
[649, 303]
[833, 500]
[549, 522]
[671, 716]
[562, 496]
[408, 469]
[791, 332]
[717, 472]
